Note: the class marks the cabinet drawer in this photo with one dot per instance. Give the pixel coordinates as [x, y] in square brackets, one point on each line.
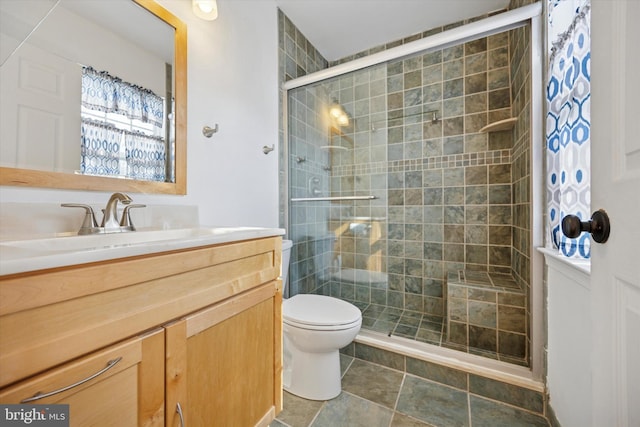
[119, 385]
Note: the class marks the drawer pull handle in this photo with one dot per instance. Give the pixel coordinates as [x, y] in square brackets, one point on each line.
[179, 411]
[41, 395]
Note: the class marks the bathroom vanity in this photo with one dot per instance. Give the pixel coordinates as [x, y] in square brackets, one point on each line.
[170, 333]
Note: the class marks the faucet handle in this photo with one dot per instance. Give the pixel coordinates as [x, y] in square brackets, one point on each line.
[126, 216]
[89, 221]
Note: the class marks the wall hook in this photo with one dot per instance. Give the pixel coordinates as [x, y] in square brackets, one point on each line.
[209, 131]
[266, 149]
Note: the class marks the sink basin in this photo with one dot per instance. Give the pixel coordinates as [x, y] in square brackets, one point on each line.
[33, 254]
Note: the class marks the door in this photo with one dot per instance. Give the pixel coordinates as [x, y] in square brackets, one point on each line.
[223, 363]
[40, 102]
[615, 185]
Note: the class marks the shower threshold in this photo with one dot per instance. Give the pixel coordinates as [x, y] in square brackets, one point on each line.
[485, 367]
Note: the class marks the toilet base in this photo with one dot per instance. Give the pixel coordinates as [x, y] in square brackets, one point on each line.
[314, 376]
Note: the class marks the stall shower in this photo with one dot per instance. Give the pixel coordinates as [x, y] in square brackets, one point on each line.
[409, 194]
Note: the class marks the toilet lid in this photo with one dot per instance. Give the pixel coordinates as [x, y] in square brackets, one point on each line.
[319, 310]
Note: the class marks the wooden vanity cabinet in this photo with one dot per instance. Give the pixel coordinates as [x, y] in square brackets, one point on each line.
[198, 329]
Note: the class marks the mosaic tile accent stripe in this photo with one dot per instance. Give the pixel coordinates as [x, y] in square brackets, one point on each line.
[495, 157]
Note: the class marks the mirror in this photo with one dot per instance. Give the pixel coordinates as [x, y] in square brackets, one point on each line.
[55, 137]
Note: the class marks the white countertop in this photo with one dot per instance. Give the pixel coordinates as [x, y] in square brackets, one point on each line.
[18, 256]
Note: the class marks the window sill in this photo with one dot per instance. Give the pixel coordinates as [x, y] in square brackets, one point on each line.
[567, 265]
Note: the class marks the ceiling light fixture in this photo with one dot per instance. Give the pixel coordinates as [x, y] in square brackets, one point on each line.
[338, 114]
[336, 110]
[343, 120]
[205, 9]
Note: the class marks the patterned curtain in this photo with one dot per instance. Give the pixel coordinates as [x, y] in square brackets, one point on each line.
[100, 148]
[103, 92]
[146, 156]
[106, 149]
[568, 133]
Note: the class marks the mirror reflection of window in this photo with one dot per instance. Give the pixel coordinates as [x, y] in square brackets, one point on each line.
[122, 128]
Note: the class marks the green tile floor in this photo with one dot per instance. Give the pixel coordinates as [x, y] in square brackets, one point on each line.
[374, 395]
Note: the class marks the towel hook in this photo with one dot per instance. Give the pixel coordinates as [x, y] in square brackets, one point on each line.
[209, 131]
[266, 149]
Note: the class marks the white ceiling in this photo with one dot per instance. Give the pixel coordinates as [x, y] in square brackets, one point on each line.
[339, 28]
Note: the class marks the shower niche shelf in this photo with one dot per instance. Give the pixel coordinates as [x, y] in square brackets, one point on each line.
[506, 124]
[333, 147]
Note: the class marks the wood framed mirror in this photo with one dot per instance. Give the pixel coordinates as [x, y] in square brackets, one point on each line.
[58, 178]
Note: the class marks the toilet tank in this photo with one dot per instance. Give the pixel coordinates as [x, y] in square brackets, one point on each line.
[284, 268]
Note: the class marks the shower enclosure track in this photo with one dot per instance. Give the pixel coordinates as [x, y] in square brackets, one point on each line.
[492, 25]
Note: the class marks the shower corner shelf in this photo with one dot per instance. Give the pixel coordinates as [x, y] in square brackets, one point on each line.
[506, 124]
[333, 147]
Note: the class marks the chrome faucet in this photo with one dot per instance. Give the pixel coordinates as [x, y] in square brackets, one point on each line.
[110, 218]
[110, 223]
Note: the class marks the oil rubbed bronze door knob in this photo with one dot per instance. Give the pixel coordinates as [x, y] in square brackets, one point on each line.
[598, 226]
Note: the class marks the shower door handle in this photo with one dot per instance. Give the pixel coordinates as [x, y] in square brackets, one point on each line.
[599, 226]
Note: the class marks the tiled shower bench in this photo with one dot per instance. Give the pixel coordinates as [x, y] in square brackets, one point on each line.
[487, 312]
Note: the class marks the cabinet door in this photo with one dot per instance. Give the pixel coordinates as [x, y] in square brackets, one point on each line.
[121, 385]
[224, 363]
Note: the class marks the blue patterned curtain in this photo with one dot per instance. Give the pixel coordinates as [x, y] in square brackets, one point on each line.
[100, 148]
[103, 92]
[568, 133]
[102, 152]
[108, 150]
[146, 156]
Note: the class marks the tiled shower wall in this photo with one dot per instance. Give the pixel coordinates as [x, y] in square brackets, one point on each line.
[520, 48]
[296, 57]
[448, 185]
[313, 245]
[359, 167]
[307, 126]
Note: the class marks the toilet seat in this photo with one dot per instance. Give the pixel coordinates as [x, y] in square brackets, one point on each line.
[319, 312]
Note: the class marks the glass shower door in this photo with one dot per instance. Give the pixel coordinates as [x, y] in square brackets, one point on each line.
[338, 187]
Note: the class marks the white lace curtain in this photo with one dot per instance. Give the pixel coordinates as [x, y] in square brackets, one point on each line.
[568, 133]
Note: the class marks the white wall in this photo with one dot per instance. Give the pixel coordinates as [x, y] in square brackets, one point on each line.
[233, 81]
[569, 339]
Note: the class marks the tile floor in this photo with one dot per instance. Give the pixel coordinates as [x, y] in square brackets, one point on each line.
[375, 395]
[419, 327]
[404, 323]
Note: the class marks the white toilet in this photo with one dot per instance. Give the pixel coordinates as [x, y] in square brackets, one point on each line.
[315, 327]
